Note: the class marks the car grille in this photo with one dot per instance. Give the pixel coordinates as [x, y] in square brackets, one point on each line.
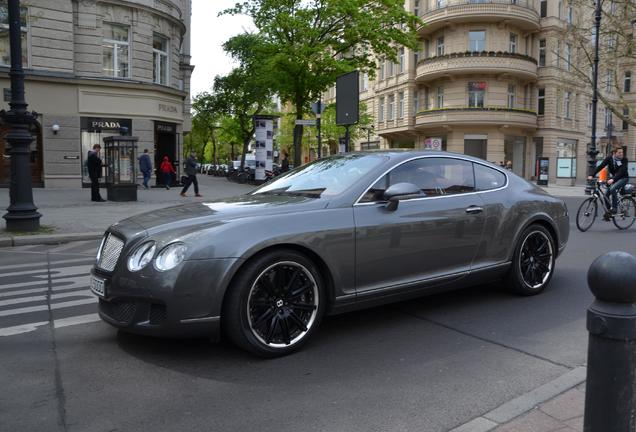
[158, 314]
[110, 252]
[122, 312]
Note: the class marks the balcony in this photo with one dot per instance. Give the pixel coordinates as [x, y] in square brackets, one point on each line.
[483, 62]
[519, 13]
[487, 116]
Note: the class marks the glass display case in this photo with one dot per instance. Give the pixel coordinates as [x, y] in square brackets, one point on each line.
[121, 172]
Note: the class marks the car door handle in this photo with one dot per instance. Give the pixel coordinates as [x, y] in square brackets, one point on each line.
[474, 209]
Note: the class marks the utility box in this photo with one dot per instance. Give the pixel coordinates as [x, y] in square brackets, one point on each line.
[121, 167]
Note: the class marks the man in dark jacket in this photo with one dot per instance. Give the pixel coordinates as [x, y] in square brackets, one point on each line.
[616, 164]
[145, 166]
[94, 165]
[191, 172]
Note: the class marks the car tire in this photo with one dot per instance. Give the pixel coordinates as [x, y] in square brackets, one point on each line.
[532, 262]
[274, 304]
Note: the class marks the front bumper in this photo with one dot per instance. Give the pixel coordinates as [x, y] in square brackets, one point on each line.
[183, 302]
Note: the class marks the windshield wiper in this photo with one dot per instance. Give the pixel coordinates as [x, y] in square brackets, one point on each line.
[309, 193]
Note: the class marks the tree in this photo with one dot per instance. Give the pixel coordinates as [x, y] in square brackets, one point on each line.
[617, 51]
[306, 44]
[205, 123]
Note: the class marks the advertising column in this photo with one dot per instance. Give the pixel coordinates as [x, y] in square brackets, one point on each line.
[264, 135]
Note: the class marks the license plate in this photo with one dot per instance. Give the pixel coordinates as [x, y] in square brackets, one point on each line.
[98, 286]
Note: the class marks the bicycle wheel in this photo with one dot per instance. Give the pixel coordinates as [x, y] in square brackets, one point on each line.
[586, 215]
[626, 214]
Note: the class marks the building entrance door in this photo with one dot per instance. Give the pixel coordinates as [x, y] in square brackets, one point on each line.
[35, 157]
[477, 147]
[165, 145]
[515, 150]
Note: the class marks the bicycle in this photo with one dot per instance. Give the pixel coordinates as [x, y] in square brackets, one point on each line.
[625, 213]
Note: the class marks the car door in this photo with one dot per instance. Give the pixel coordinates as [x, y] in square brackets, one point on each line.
[425, 238]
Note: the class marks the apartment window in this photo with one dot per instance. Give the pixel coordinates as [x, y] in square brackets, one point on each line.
[401, 59]
[116, 51]
[608, 117]
[401, 105]
[626, 115]
[160, 59]
[512, 95]
[541, 102]
[5, 50]
[381, 110]
[542, 49]
[382, 70]
[416, 7]
[560, 9]
[589, 115]
[611, 40]
[558, 54]
[477, 40]
[427, 48]
[566, 104]
[427, 102]
[440, 3]
[391, 113]
[476, 94]
[440, 97]
[440, 46]
[513, 43]
[389, 72]
[559, 102]
[544, 8]
[416, 102]
[609, 81]
[568, 56]
[570, 15]
[613, 7]
[417, 54]
[365, 81]
[627, 82]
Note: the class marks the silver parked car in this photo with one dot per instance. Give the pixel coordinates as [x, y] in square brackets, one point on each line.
[341, 233]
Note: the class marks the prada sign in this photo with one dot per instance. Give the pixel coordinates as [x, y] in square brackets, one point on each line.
[98, 124]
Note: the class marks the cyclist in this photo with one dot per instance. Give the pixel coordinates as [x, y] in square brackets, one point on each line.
[616, 164]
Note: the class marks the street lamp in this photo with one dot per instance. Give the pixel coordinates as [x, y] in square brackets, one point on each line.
[369, 129]
[593, 152]
[22, 213]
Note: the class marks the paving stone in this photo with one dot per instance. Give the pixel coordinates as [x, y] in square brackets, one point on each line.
[567, 406]
[533, 421]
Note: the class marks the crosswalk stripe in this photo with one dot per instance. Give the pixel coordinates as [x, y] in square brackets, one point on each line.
[31, 309]
[81, 319]
[72, 245]
[43, 297]
[43, 264]
[60, 323]
[17, 292]
[82, 278]
[23, 328]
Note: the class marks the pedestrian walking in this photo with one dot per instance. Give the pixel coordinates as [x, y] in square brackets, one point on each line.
[191, 172]
[284, 163]
[95, 165]
[145, 166]
[167, 170]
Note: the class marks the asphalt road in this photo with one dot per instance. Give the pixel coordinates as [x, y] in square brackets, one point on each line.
[426, 365]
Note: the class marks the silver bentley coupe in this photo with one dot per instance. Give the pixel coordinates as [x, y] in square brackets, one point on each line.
[341, 233]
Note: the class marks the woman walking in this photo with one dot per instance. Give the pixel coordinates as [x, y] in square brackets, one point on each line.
[167, 170]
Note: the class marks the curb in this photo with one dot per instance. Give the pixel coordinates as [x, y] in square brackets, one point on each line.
[524, 403]
[49, 239]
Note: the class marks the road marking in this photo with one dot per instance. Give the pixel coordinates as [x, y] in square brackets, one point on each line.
[64, 322]
[72, 245]
[43, 297]
[61, 305]
[72, 284]
[43, 264]
[81, 278]
[81, 319]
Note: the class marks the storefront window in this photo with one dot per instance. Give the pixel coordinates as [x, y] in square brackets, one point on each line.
[566, 158]
[160, 59]
[115, 51]
[5, 51]
[93, 131]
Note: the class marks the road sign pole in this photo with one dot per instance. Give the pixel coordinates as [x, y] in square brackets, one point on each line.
[347, 138]
[318, 115]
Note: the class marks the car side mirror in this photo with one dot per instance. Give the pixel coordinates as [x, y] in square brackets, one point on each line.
[400, 191]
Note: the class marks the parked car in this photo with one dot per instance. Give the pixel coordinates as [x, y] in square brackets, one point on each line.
[341, 233]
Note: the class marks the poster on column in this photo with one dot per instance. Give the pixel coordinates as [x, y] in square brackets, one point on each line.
[264, 131]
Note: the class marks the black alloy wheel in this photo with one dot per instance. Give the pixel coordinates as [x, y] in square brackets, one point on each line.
[533, 261]
[275, 304]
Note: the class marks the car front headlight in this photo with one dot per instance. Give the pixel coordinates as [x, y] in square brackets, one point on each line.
[141, 256]
[170, 256]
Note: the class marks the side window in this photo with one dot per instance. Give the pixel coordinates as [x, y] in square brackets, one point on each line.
[487, 178]
[434, 176]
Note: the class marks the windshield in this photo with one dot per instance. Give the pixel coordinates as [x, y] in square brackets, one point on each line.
[324, 177]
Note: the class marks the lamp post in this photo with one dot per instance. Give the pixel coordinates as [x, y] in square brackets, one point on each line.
[22, 213]
[369, 129]
[592, 151]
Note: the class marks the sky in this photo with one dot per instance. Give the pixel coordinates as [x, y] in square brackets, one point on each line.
[208, 34]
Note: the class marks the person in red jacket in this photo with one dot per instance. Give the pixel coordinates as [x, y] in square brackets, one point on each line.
[166, 169]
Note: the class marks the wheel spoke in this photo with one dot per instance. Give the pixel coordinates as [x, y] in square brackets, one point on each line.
[300, 291]
[285, 328]
[303, 306]
[272, 329]
[266, 283]
[264, 317]
[292, 280]
[296, 319]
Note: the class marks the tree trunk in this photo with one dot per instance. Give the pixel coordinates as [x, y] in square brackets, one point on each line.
[298, 134]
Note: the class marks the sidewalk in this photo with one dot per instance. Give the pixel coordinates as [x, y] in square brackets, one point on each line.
[565, 191]
[72, 211]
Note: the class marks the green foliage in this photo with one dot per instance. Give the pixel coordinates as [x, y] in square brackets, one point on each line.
[303, 45]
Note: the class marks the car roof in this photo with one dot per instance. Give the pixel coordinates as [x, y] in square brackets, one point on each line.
[397, 155]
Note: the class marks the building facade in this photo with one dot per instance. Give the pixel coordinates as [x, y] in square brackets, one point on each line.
[94, 67]
[494, 79]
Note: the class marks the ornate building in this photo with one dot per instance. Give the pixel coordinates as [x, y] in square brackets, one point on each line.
[94, 67]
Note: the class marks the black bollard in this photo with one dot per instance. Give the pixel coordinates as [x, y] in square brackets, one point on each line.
[610, 399]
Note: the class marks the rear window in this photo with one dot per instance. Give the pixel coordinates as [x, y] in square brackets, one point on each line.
[488, 178]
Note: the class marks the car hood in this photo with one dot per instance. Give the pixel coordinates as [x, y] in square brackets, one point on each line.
[220, 211]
